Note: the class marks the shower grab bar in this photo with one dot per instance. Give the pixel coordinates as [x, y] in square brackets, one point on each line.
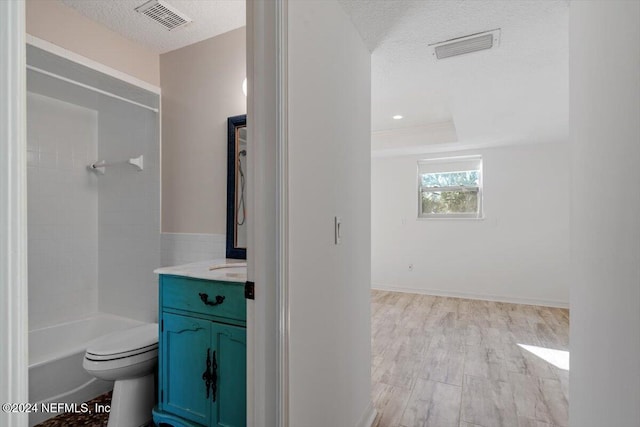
[91, 88]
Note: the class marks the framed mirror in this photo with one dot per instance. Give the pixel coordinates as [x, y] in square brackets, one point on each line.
[236, 187]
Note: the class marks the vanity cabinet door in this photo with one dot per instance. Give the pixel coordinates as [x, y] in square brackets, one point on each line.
[229, 407]
[186, 345]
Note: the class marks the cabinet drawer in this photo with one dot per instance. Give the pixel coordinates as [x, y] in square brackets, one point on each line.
[188, 294]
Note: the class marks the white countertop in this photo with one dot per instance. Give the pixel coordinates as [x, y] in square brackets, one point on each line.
[202, 270]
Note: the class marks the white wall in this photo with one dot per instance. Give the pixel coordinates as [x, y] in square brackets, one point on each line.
[605, 213]
[329, 174]
[519, 252]
[402, 141]
[62, 211]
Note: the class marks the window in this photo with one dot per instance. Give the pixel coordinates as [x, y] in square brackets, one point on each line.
[450, 187]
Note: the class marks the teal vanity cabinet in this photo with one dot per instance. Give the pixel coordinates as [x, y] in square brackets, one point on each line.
[202, 353]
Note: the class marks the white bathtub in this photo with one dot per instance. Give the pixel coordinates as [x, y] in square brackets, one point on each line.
[55, 361]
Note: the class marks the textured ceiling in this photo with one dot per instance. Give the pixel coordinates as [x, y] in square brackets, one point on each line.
[210, 18]
[518, 91]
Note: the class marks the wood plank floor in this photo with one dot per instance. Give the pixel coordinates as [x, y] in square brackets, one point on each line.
[451, 362]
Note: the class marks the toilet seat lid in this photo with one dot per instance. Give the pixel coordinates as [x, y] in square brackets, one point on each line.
[125, 343]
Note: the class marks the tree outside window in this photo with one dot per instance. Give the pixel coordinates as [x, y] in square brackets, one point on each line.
[450, 188]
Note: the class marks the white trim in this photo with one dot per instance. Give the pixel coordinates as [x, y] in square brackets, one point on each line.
[13, 213]
[455, 163]
[83, 60]
[159, 118]
[267, 315]
[470, 295]
[450, 147]
[255, 373]
[449, 217]
[253, 353]
[91, 88]
[368, 416]
[264, 337]
[282, 212]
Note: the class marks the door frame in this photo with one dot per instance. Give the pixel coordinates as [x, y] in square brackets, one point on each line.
[14, 362]
[267, 118]
[268, 333]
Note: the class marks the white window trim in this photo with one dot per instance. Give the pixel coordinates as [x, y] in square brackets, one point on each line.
[479, 216]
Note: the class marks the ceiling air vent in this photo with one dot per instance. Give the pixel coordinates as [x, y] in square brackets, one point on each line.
[164, 14]
[466, 44]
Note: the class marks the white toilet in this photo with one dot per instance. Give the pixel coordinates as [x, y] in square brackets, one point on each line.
[129, 358]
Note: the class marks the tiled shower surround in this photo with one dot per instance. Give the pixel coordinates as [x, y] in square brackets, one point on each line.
[62, 211]
[94, 240]
[129, 212]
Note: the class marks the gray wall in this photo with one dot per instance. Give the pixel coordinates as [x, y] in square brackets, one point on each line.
[201, 87]
[605, 213]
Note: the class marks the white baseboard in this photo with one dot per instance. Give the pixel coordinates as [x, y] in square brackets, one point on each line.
[368, 417]
[467, 295]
